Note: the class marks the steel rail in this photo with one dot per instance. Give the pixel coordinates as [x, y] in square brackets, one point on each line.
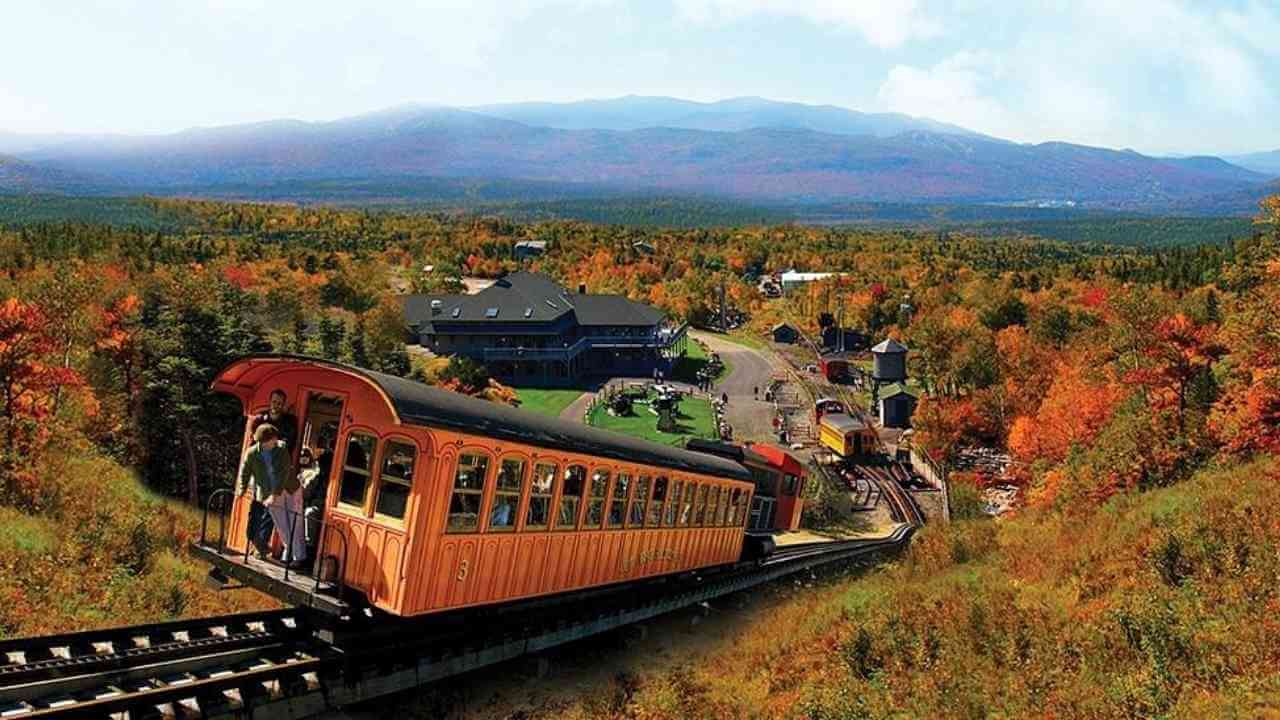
[301, 675]
[79, 653]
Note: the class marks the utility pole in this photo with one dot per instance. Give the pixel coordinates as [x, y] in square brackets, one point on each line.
[724, 324]
[840, 327]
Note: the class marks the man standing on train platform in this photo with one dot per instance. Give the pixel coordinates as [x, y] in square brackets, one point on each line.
[278, 414]
[269, 470]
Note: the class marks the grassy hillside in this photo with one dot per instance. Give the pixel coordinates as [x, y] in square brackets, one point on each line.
[102, 551]
[1161, 604]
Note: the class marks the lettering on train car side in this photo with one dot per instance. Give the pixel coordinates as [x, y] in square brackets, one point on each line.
[464, 567]
[649, 556]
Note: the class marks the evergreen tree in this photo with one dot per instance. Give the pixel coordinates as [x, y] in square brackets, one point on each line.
[332, 334]
[358, 351]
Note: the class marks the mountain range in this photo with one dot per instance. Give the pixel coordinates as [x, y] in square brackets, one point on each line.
[1267, 163]
[746, 148]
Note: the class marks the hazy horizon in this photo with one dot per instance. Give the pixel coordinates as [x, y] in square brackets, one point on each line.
[1161, 77]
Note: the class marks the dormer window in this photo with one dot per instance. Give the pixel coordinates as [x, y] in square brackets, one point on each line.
[528, 312]
[491, 312]
[553, 305]
[456, 312]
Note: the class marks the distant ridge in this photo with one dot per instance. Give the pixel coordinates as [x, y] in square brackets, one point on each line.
[636, 112]
[1267, 162]
[747, 149]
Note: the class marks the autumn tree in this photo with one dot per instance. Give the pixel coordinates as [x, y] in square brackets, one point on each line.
[1178, 354]
[31, 377]
[1246, 418]
[1077, 405]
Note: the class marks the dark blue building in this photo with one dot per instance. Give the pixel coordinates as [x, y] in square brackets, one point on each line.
[529, 330]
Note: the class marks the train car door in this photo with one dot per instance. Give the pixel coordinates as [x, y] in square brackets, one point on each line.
[762, 512]
[322, 418]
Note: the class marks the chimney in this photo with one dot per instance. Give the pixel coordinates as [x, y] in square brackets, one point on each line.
[582, 288]
[436, 307]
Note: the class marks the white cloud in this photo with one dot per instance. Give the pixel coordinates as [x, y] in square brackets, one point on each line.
[958, 89]
[1151, 75]
[883, 23]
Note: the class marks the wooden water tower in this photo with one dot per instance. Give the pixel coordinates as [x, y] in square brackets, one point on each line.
[889, 362]
[889, 366]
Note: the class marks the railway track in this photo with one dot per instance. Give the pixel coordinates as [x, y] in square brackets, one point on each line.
[273, 663]
[54, 668]
[901, 502]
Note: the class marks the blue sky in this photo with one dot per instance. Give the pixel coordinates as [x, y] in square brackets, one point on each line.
[1158, 76]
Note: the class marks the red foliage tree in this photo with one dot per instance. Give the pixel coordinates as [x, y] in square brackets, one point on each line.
[1180, 351]
[30, 378]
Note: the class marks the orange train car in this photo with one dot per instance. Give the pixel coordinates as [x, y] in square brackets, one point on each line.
[437, 501]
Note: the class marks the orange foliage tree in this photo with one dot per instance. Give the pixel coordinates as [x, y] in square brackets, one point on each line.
[1246, 418]
[1075, 408]
[30, 379]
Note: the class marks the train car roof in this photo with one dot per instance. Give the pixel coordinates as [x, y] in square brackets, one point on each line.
[413, 403]
[841, 422]
[779, 458]
[738, 453]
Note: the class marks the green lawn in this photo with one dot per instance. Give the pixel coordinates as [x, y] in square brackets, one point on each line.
[547, 401]
[695, 419]
[695, 358]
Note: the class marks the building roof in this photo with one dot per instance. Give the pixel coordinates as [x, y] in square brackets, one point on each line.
[897, 389]
[781, 325]
[533, 244]
[413, 403]
[793, 276]
[614, 310]
[889, 346]
[529, 297]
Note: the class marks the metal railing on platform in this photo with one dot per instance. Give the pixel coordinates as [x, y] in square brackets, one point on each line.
[222, 500]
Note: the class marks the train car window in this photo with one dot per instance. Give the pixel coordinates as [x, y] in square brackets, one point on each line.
[673, 503]
[639, 502]
[790, 484]
[595, 506]
[575, 477]
[741, 518]
[655, 505]
[765, 481]
[686, 505]
[506, 495]
[468, 490]
[544, 487]
[713, 506]
[357, 470]
[618, 505]
[396, 478]
[699, 507]
[733, 507]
